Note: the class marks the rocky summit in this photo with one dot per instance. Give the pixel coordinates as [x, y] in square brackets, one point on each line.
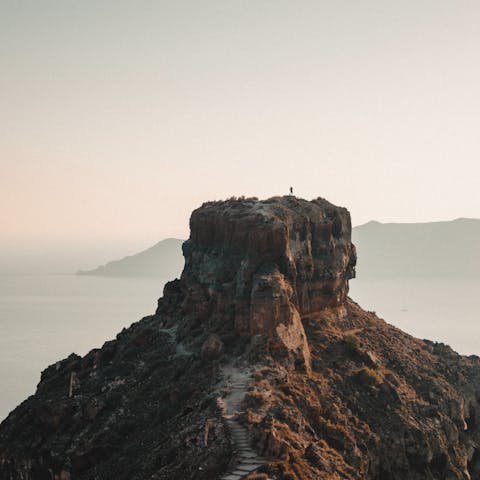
[256, 365]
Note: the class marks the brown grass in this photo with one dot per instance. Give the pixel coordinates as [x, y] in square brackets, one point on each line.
[367, 376]
[353, 344]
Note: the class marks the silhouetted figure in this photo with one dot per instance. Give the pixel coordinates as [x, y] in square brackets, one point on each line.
[291, 190]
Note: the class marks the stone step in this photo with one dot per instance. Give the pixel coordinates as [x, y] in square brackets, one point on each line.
[247, 459]
[248, 467]
[241, 473]
[245, 469]
[251, 461]
[243, 450]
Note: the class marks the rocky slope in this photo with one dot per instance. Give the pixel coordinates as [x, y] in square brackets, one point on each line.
[255, 361]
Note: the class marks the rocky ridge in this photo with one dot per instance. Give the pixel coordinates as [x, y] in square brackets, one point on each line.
[318, 387]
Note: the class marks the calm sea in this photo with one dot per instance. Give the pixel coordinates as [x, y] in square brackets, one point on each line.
[447, 311]
[45, 318]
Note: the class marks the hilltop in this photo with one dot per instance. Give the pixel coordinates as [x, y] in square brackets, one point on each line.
[257, 365]
[163, 259]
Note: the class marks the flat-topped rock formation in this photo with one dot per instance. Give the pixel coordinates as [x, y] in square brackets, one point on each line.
[255, 365]
[255, 267]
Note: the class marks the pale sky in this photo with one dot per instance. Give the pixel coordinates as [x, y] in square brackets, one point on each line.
[118, 118]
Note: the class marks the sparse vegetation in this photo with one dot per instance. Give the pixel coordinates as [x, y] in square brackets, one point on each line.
[325, 321]
[242, 198]
[353, 344]
[257, 476]
[368, 376]
[255, 399]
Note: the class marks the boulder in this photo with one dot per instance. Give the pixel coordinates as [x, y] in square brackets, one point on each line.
[212, 348]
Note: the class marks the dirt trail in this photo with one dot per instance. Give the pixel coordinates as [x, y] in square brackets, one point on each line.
[236, 380]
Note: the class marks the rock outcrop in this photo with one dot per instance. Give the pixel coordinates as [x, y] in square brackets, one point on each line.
[255, 268]
[332, 391]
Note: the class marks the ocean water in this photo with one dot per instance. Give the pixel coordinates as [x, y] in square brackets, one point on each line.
[446, 311]
[45, 318]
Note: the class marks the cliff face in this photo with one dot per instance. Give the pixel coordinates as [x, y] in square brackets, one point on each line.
[255, 359]
[255, 268]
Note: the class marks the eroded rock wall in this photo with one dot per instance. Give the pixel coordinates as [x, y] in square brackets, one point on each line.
[259, 266]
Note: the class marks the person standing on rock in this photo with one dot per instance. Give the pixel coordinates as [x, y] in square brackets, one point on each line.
[291, 190]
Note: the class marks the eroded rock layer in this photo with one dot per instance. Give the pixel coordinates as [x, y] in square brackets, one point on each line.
[333, 392]
[254, 268]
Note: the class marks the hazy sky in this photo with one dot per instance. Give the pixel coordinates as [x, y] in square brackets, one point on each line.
[118, 118]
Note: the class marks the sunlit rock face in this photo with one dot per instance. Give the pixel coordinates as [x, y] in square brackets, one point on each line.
[257, 267]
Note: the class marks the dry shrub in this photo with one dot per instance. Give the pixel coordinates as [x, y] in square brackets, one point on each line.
[325, 321]
[367, 376]
[257, 476]
[255, 399]
[353, 344]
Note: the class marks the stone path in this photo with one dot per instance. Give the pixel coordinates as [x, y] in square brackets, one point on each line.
[248, 460]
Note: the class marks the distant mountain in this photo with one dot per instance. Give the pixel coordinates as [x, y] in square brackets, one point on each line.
[164, 260]
[416, 250]
[429, 250]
